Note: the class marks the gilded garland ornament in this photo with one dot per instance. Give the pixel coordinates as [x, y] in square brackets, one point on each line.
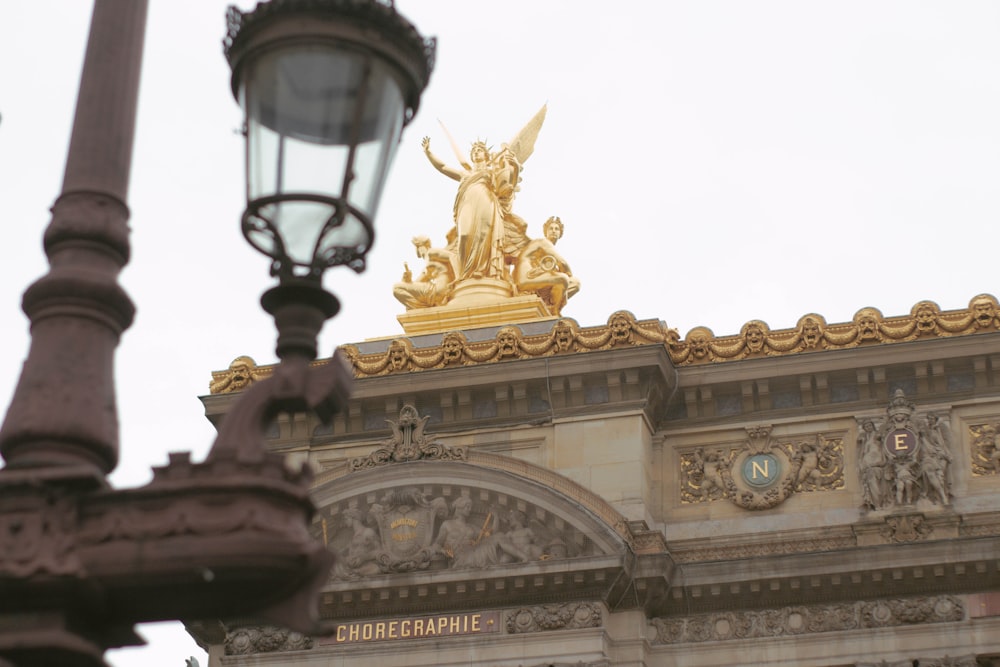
[699, 346]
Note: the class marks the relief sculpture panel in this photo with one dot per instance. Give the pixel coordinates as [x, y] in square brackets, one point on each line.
[762, 472]
[905, 459]
[407, 529]
[985, 440]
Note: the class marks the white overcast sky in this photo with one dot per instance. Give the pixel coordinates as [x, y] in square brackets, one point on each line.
[713, 162]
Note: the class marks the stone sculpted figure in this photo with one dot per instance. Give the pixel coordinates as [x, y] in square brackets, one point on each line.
[433, 285]
[520, 542]
[872, 463]
[478, 546]
[906, 480]
[934, 460]
[358, 558]
[542, 270]
[456, 535]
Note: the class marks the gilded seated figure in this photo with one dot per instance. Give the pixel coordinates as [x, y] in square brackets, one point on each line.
[433, 286]
[543, 271]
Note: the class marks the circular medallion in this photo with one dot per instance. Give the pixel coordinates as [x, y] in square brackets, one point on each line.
[900, 441]
[761, 470]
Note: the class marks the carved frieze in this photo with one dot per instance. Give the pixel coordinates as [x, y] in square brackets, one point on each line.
[265, 639]
[408, 442]
[769, 548]
[567, 616]
[407, 529]
[906, 528]
[985, 440]
[762, 472]
[723, 626]
[905, 459]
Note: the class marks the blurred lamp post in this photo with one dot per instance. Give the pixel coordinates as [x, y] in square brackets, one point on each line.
[327, 86]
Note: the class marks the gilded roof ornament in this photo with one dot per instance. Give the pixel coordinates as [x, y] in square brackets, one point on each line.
[811, 333]
[488, 261]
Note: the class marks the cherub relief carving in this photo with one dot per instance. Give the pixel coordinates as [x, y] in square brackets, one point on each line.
[808, 464]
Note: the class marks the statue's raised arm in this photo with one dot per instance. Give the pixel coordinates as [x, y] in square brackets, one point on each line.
[439, 164]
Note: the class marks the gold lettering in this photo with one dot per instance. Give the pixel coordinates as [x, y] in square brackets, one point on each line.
[403, 537]
[900, 441]
[764, 470]
[434, 626]
[404, 521]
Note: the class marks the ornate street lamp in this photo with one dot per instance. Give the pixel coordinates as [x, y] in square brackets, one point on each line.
[327, 86]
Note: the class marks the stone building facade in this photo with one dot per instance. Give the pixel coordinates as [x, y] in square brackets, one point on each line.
[544, 493]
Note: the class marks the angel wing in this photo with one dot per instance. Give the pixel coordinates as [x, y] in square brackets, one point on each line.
[523, 143]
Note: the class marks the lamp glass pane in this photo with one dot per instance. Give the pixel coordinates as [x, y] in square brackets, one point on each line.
[383, 114]
[303, 109]
[300, 108]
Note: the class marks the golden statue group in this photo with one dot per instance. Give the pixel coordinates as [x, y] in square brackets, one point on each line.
[488, 255]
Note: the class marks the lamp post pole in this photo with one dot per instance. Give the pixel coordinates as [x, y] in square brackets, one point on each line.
[81, 562]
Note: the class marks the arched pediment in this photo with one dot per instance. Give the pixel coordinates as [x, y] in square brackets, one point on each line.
[437, 534]
[521, 519]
